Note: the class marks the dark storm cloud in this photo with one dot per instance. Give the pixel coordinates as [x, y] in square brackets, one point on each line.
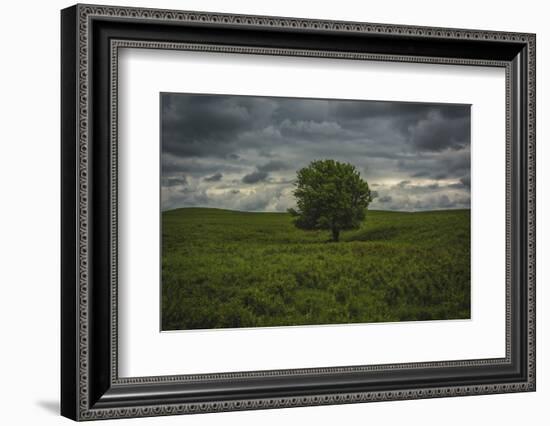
[262, 173]
[450, 164]
[273, 166]
[204, 167]
[255, 177]
[243, 152]
[174, 181]
[214, 178]
[437, 132]
[198, 125]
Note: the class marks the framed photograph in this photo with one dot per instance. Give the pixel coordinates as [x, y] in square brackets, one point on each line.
[263, 212]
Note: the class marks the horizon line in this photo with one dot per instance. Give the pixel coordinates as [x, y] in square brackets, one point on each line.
[279, 212]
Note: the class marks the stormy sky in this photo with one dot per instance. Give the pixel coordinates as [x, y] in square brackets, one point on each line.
[242, 152]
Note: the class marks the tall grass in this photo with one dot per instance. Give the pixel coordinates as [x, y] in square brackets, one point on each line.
[224, 269]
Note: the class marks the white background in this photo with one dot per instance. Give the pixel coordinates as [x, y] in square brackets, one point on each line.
[146, 352]
[29, 229]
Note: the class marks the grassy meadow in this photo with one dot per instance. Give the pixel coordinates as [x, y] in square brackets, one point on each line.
[227, 269]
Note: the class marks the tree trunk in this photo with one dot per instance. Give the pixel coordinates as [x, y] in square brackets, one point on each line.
[335, 234]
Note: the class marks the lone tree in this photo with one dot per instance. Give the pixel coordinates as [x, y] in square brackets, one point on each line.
[330, 195]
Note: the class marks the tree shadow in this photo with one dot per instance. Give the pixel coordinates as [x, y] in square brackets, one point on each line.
[377, 234]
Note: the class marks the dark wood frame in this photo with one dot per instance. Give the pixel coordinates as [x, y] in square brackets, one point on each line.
[90, 386]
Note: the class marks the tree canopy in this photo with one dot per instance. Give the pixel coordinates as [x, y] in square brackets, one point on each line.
[330, 195]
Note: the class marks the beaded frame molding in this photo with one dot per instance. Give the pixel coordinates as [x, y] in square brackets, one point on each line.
[91, 39]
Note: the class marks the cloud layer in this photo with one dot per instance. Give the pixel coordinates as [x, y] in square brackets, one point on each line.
[242, 152]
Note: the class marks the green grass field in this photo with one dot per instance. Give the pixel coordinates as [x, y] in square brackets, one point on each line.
[225, 268]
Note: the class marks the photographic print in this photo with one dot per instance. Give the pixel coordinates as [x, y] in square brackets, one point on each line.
[279, 211]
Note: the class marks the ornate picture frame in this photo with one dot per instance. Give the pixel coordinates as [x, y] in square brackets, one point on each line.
[91, 37]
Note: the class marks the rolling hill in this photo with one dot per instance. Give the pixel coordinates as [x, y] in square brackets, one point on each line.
[227, 269]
